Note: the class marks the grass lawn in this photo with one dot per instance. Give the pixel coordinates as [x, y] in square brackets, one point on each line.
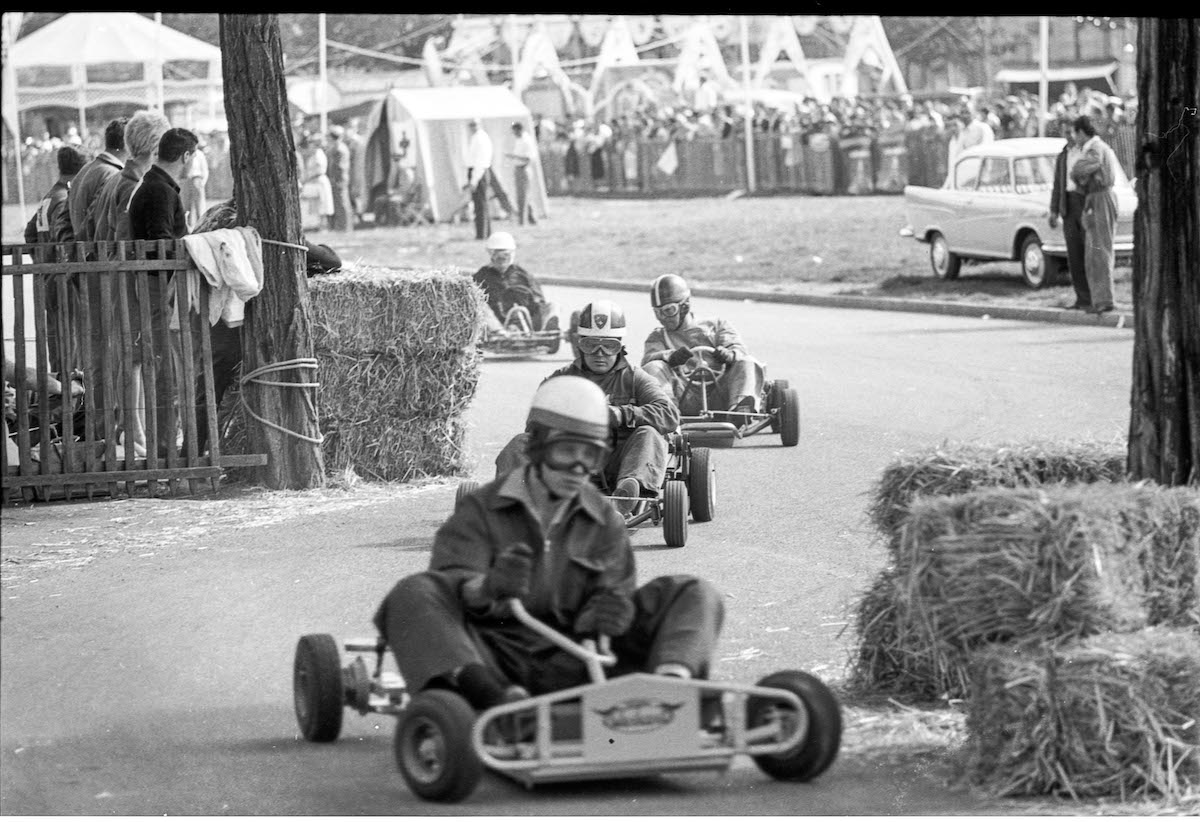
[801, 244]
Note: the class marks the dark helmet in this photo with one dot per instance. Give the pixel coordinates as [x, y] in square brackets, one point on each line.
[669, 288]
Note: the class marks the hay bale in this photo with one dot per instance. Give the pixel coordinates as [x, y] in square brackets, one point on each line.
[1035, 566]
[1114, 715]
[958, 468]
[398, 362]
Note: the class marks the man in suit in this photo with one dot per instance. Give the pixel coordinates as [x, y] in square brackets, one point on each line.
[91, 179]
[1094, 174]
[1066, 203]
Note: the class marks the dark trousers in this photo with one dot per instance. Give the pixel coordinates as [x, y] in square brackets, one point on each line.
[479, 197]
[1073, 234]
[226, 358]
[678, 619]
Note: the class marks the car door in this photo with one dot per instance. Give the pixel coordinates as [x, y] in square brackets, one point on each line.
[959, 195]
[988, 217]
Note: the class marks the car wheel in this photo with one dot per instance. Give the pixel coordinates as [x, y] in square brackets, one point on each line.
[433, 747]
[1037, 268]
[822, 719]
[465, 489]
[317, 687]
[945, 263]
[789, 417]
[702, 485]
[675, 513]
[774, 398]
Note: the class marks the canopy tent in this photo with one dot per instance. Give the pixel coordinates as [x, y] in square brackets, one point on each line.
[88, 59]
[1058, 77]
[428, 126]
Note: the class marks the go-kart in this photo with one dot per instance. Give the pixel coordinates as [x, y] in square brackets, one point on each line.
[779, 402]
[690, 486]
[518, 335]
[789, 723]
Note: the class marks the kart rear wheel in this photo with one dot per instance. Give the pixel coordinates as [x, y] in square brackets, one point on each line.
[773, 400]
[702, 485]
[789, 417]
[433, 747]
[816, 751]
[675, 513]
[465, 489]
[317, 689]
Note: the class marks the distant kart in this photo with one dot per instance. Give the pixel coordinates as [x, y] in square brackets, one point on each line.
[721, 429]
[690, 487]
[518, 335]
[638, 724]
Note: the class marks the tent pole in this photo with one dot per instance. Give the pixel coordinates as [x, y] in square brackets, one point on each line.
[1044, 80]
[749, 126]
[324, 76]
[10, 84]
[158, 61]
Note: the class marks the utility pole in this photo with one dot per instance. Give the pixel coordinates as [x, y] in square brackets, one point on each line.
[749, 125]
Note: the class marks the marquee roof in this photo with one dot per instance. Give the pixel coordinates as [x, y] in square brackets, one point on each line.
[91, 38]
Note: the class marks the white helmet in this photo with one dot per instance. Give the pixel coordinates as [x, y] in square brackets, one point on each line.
[602, 318]
[501, 241]
[570, 406]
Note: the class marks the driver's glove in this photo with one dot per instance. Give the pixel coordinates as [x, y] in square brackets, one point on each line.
[510, 575]
[679, 356]
[608, 613]
[724, 355]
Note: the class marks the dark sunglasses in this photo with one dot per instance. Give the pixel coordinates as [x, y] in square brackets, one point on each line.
[593, 345]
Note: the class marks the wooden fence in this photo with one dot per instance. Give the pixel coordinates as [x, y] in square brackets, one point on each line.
[103, 315]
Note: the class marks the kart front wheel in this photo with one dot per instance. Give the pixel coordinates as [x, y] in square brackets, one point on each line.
[433, 747]
[317, 687]
[822, 719]
[702, 485]
[789, 416]
[774, 398]
[675, 513]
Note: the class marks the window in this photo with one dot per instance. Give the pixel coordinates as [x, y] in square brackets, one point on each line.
[994, 177]
[966, 174]
[1034, 173]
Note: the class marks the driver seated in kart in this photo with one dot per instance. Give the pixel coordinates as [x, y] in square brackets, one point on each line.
[508, 285]
[542, 533]
[640, 414]
[667, 353]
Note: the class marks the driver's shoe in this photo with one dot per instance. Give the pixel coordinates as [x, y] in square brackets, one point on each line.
[627, 493]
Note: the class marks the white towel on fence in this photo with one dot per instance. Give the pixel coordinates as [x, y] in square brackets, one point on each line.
[231, 261]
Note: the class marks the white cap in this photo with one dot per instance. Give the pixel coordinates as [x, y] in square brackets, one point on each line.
[501, 241]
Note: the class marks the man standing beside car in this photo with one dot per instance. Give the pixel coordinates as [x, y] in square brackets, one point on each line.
[1095, 173]
[1066, 202]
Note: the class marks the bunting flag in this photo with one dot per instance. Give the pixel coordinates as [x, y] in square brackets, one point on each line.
[805, 24]
[668, 162]
[699, 52]
[539, 59]
[561, 29]
[641, 27]
[781, 39]
[868, 43]
[841, 23]
[722, 25]
[593, 28]
[675, 26]
[433, 63]
[616, 50]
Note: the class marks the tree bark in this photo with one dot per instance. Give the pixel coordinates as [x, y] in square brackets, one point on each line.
[1164, 426]
[266, 189]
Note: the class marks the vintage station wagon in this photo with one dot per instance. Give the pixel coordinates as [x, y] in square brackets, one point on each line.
[994, 205]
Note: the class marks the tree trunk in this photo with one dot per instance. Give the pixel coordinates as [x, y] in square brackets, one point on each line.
[266, 190]
[1164, 426]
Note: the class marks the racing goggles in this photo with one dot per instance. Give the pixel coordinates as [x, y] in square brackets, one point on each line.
[574, 455]
[668, 309]
[600, 345]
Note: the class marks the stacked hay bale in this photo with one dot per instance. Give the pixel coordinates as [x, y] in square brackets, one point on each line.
[885, 662]
[398, 362]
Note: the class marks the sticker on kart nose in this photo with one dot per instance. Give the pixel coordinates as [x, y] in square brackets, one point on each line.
[634, 717]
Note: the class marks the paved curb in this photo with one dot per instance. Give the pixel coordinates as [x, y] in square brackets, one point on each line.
[1115, 319]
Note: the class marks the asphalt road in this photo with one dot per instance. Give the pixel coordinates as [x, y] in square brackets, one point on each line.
[146, 645]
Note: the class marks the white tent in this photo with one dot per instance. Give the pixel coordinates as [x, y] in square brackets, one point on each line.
[90, 58]
[431, 125]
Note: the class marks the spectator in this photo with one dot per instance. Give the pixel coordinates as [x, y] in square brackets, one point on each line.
[192, 186]
[402, 201]
[109, 218]
[359, 202]
[316, 192]
[478, 160]
[976, 129]
[339, 180]
[51, 223]
[94, 175]
[1095, 173]
[523, 154]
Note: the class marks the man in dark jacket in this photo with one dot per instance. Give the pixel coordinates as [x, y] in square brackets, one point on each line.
[156, 213]
[94, 175]
[641, 414]
[1066, 203]
[542, 534]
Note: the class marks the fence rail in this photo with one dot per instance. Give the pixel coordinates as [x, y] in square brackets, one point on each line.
[122, 320]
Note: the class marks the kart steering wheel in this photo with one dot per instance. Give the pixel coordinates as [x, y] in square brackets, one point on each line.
[706, 370]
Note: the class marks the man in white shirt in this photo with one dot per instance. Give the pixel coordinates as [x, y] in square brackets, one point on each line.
[977, 130]
[479, 162]
[523, 155]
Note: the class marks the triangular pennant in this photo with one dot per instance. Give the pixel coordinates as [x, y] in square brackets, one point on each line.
[781, 39]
